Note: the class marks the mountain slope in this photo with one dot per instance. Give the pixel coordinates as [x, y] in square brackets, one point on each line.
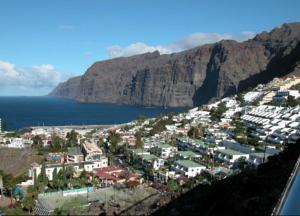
[190, 77]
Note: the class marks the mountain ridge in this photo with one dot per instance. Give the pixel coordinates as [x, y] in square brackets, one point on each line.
[191, 77]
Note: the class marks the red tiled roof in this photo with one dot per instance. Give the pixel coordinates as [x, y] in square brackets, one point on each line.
[105, 176]
[109, 169]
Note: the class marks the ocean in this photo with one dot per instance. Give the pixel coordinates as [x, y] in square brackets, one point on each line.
[21, 112]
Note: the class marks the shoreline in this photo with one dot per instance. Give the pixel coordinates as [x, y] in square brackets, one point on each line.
[79, 126]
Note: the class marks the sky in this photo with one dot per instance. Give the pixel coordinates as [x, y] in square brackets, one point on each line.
[44, 42]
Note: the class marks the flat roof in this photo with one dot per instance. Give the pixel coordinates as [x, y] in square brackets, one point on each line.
[260, 154]
[163, 145]
[149, 157]
[188, 163]
[230, 152]
[188, 154]
[137, 151]
[91, 148]
[74, 151]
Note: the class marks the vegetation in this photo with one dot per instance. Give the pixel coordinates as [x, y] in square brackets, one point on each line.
[296, 87]
[114, 140]
[196, 132]
[9, 181]
[216, 113]
[73, 206]
[72, 138]
[292, 102]
[141, 119]
[248, 193]
[139, 142]
[240, 97]
[11, 135]
[160, 125]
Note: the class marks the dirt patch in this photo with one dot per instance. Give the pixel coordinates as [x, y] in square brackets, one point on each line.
[17, 161]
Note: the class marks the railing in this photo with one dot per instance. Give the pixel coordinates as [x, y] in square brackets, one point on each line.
[67, 192]
[279, 205]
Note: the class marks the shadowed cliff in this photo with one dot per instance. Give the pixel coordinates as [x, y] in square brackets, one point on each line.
[191, 77]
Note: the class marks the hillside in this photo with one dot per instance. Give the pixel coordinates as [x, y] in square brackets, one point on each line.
[252, 192]
[190, 77]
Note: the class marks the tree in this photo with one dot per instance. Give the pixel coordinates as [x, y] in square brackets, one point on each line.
[42, 178]
[37, 141]
[291, 101]
[28, 203]
[139, 142]
[69, 172]
[216, 113]
[240, 129]
[57, 143]
[240, 97]
[196, 132]
[173, 185]
[72, 138]
[141, 119]
[114, 139]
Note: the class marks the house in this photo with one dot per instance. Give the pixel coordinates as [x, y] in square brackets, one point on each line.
[229, 156]
[188, 168]
[165, 176]
[89, 166]
[152, 161]
[139, 152]
[258, 158]
[165, 150]
[109, 175]
[252, 96]
[75, 155]
[188, 154]
[91, 151]
[17, 142]
[282, 95]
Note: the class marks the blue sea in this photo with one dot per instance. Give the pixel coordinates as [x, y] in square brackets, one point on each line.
[21, 112]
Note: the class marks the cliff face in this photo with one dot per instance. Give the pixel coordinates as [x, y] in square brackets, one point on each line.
[190, 77]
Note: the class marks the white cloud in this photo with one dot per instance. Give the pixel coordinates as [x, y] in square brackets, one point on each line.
[38, 78]
[191, 41]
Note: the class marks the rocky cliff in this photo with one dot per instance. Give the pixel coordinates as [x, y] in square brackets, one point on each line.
[190, 77]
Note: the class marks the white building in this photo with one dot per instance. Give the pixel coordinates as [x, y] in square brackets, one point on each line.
[17, 142]
[152, 161]
[88, 166]
[229, 156]
[188, 168]
[165, 150]
[258, 158]
[91, 151]
[282, 95]
[252, 96]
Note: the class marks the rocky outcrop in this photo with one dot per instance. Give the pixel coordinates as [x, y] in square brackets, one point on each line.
[190, 77]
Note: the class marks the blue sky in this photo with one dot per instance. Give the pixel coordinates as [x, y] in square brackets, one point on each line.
[44, 42]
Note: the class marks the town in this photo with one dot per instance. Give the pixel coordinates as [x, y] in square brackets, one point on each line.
[145, 164]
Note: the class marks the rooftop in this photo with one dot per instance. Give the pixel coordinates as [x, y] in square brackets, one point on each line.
[230, 152]
[162, 145]
[139, 151]
[150, 157]
[261, 154]
[92, 148]
[188, 154]
[74, 151]
[188, 163]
